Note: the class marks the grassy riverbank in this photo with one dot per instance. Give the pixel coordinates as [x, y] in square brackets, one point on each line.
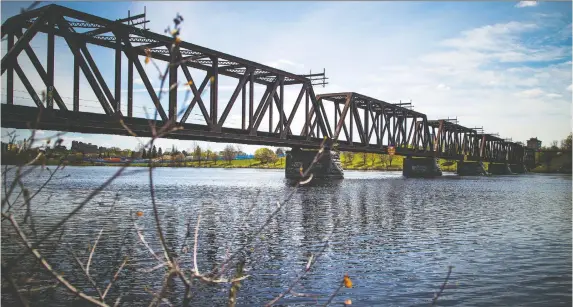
[558, 164]
[357, 163]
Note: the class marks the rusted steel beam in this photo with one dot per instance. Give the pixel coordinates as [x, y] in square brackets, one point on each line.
[196, 97]
[84, 67]
[233, 98]
[117, 86]
[12, 54]
[40, 70]
[10, 73]
[131, 54]
[27, 85]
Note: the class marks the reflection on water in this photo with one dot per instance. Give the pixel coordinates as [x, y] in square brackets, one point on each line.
[508, 237]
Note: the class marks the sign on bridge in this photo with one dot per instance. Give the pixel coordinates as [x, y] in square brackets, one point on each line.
[391, 150]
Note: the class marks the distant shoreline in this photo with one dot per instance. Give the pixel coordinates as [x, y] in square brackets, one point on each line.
[258, 165]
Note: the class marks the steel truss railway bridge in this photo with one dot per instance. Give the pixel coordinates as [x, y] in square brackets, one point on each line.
[355, 122]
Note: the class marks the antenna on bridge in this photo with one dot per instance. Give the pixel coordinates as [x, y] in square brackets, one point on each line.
[451, 120]
[134, 20]
[317, 79]
[407, 105]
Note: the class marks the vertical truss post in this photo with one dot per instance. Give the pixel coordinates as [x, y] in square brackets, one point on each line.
[271, 97]
[281, 105]
[50, 72]
[73, 45]
[306, 114]
[76, 84]
[129, 87]
[117, 86]
[243, 105]
[214, 92]
[366, 124]
[10, 74]
[251, 98]
[350, 139]
[173, 86]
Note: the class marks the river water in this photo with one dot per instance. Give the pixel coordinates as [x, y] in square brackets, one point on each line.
[508, 238]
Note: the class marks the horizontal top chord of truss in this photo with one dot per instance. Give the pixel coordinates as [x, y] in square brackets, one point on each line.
[451, 126]
[193, 55]
[373, 104]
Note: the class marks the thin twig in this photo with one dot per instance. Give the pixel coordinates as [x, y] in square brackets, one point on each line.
[48, 267]
[90, 279]
[195, 267]
[437, 295]
[334, 294]
[309, 265]
[115, 276]
[92, 252]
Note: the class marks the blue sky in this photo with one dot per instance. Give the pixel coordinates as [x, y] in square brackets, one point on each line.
[505, 66]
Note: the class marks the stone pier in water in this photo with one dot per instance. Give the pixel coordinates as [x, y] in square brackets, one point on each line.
[499, 169]
[421, 167]
[327, 167]
[470, 168]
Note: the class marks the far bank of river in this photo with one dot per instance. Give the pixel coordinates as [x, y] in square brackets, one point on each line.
[356, 164]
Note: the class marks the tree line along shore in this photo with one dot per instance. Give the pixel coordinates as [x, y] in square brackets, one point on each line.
[233, 157]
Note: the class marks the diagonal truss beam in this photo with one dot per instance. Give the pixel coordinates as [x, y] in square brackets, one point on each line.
[43, 75]
[88, 74]
[24, 41]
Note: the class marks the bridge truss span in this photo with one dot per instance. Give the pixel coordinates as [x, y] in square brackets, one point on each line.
[276, 107]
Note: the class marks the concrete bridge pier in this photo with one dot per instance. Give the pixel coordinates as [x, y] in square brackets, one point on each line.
[518, 168]
[327, 167]
[499, 169]
[470, 168]
[421, 167]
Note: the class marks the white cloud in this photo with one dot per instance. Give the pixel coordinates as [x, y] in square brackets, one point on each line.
[536, 92]
[443, 87]
[570, 87]
[526, 3]
[285, 64]
[553, 95]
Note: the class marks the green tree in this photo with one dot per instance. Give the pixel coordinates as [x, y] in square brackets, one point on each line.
[229, 153]
[566, 143]
[214, 157]
[348, 157]
[372, 158]
[154, 152]
[208, 154]
[384, 159]
[197, 153]
[265, 155]
[160, 152]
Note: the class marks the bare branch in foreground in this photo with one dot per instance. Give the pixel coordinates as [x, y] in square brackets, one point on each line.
[443, 286]
[48, 267]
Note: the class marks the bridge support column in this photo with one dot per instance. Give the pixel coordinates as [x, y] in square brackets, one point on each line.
[518, 168]
[327, 167]
[499, 169]
[421, 167]
[471, 168]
